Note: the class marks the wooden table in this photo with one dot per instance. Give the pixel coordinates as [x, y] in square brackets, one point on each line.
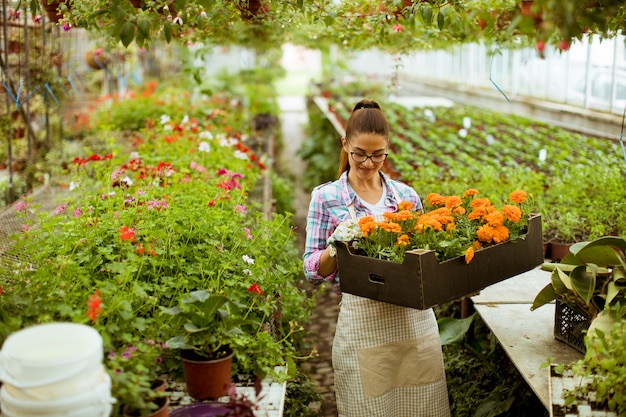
[526, 336]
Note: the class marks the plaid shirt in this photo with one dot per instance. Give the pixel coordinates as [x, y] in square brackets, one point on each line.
[329, 207]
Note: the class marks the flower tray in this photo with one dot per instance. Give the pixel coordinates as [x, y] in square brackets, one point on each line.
[570, 325]
[421, 281]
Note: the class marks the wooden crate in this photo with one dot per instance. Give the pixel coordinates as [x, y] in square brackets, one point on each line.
[421, 281]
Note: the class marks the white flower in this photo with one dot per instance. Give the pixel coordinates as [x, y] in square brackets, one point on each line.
[128, 181]
[134, 155]
[167, 127]
[248, 260]
[345, 232]
[241, 155]
[247, 272]
[204, 147]
[178, 20]
[73, 185]
[185, 120]
[205, 135]
[165, 119]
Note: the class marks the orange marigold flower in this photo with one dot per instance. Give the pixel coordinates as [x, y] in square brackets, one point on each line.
[403, 215]
[435, 199]
[402, 240]
[494, 218]
[431, 222]
[470, 192]
[500, 234]
[477, 213]
[469, 255]
[513, 213]
[480, 202]
[453, 201]
[485, 233]
[390, 227]
[390, 216]
[518, 196]
[405, 205]
[459, 210]
[366, 225]
[450, 227]
[477, 245]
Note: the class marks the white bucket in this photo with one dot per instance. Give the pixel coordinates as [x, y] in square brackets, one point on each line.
[94, 402]
[73, 385]
[48, 353]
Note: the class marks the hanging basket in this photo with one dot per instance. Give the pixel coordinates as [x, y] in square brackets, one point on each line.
[252, 8]
[52, 9]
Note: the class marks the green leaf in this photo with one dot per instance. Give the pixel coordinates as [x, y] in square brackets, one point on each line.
[546, 295]
[560, 282]
[167, 31]
[440, 21]
[143, 27]
[583, 280]
[453, 330]
[178, 342]
[427, 15]
[127, 33]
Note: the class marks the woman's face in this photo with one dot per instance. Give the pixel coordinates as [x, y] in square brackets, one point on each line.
[366, 154]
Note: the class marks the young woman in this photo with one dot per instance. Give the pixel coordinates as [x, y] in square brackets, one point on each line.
[387, 359]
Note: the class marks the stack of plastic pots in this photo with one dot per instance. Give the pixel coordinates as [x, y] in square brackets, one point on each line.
[54, 370]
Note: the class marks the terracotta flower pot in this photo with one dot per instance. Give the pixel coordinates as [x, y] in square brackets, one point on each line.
[51, 9]
[207, 379]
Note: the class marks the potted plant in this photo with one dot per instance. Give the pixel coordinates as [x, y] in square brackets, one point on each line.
[599, 379]
[588, 280]
[210, 322]
[136, 383]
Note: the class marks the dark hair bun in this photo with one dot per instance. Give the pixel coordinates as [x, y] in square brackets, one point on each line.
[366, 104]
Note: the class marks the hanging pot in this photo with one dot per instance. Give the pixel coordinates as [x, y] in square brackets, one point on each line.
[207, 379]
[252, 8]
[52, 9]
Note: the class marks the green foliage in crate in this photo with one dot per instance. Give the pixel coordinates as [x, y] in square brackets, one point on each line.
[590, 279]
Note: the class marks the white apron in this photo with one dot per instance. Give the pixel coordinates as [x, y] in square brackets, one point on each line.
[387, 360]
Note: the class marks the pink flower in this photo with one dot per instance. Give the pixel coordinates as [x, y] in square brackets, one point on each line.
[397, 28]
[21, 205]
[77, 213]
[248, 234]
[240, 209]
[59, 209]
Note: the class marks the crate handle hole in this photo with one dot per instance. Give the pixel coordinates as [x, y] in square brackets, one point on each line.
[377, 279]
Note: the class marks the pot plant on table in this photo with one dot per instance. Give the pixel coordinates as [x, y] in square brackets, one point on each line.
[598, 381]
[210, 322]
[587, 281]
[136, 382]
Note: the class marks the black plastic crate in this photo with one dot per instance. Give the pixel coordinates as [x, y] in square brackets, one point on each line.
[570, 325]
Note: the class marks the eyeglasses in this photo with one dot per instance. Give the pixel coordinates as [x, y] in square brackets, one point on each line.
[360, 157]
